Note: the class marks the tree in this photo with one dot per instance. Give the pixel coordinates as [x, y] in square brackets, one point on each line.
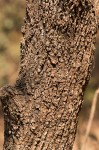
[57, 50]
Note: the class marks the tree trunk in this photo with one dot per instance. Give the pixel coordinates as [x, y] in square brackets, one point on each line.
[57, 50]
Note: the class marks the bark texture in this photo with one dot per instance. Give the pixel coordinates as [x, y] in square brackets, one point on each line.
[96, 9]
[57, 50]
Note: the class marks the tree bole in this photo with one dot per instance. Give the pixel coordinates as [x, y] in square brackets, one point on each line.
[57, 51]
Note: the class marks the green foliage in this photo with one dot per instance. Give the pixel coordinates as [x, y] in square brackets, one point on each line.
[11, 20]
[3, 42]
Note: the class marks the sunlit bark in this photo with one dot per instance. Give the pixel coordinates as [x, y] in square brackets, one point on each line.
[57, 51]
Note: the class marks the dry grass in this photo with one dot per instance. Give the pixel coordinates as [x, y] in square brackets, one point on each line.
[1, 133]
[93, 139]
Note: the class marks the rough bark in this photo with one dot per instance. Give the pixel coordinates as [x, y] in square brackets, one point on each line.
[96, 9]
[57, 50]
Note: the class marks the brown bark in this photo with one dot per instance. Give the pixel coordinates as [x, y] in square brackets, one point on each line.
[41, 110]
[96, 9]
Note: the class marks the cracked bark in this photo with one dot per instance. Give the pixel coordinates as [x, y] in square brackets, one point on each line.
[57, 51]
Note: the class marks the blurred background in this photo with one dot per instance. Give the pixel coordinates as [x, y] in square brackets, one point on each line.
[11, 20]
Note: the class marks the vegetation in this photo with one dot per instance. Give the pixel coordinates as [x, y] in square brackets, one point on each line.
[11, 21]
